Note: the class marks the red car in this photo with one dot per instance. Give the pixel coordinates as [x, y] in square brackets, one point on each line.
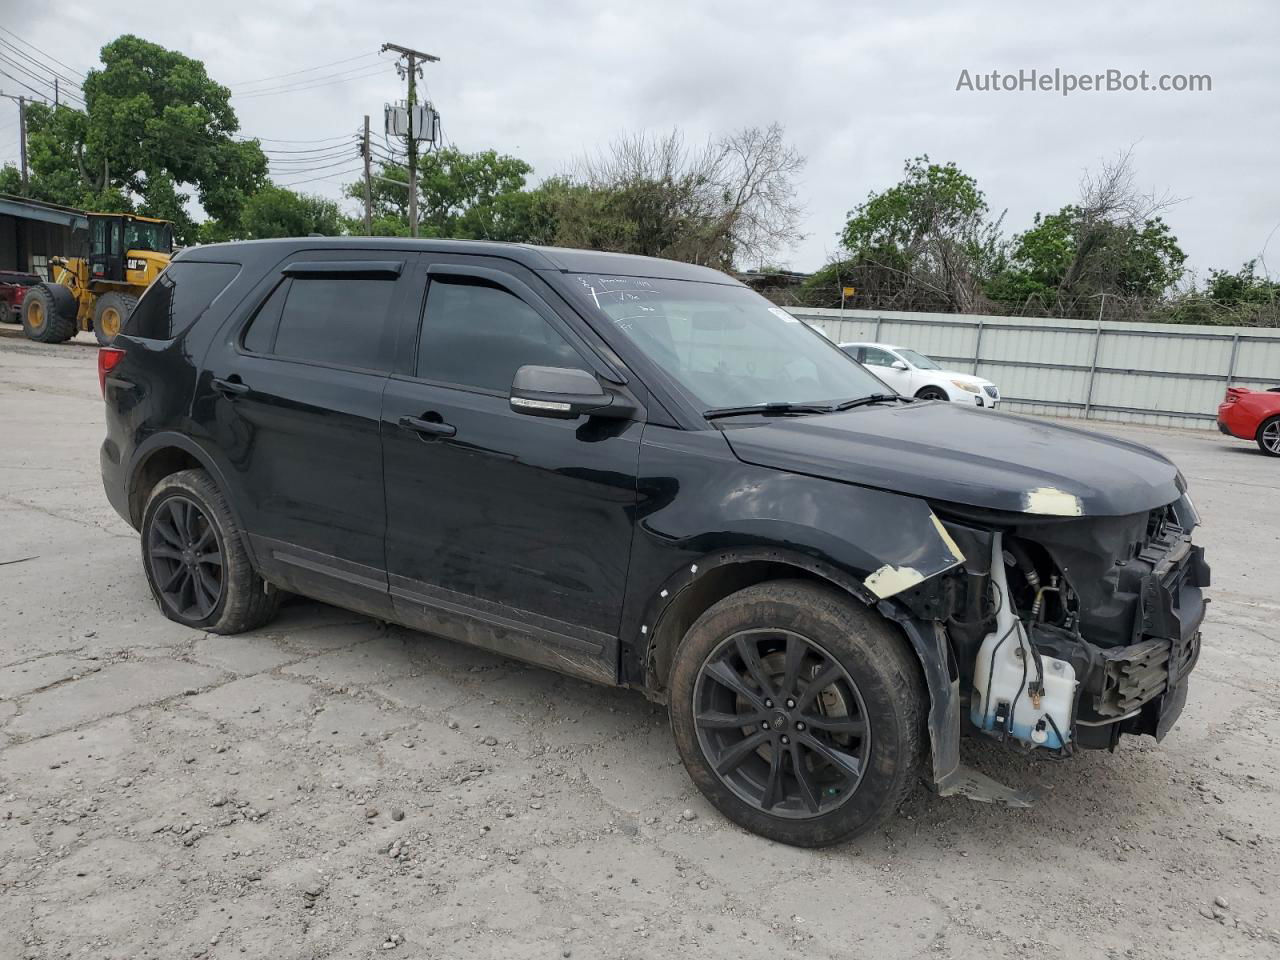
[1252, 415]
[13, 288]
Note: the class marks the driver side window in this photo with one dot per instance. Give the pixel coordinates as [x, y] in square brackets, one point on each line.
[477, 334]
[879, 358]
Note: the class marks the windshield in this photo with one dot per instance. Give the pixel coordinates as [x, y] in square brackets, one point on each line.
[139, 235]
[918, 360]
[726, 345]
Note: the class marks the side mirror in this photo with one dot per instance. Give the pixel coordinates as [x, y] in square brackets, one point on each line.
[899, 365]
[560, 392]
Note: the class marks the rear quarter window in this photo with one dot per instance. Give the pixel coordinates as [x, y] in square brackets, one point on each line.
[178, 297]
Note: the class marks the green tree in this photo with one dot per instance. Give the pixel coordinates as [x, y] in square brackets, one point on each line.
[154, 121]
[469, 196]
[927, 242]
[279, 212]
[1068, 259]
[1110, 243]
[1244, 286]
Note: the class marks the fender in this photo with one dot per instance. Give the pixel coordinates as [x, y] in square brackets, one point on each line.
[166, 439]
[697, 501]
[876, 545]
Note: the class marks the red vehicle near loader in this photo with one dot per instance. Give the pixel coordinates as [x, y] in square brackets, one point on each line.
[1252, 415]
[13, 290]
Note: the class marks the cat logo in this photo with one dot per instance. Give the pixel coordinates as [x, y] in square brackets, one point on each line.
[136, 263]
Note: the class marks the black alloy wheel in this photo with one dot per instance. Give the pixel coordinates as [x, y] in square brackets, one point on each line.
[798, 711]
[185, 554]
[782, 723]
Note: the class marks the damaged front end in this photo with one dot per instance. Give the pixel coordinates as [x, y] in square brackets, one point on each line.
[1062, 632]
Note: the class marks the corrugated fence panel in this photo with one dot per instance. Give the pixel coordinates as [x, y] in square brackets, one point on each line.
[1158, 374]
[1258, 363]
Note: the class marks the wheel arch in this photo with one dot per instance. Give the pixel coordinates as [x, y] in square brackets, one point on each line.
[164, 454]
[693, 590]
[942, 388]
[1266, 421]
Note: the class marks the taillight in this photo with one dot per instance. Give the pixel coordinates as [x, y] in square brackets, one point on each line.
[108, 359]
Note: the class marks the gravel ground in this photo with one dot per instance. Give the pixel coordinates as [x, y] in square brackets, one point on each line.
[333, 787]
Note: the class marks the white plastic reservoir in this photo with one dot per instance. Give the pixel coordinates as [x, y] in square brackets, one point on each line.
[1005, 667]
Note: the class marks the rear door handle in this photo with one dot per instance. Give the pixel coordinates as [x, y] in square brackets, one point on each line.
[232, 388]
[428, 427]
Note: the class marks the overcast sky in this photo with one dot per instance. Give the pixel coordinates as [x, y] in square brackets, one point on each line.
[857, 87]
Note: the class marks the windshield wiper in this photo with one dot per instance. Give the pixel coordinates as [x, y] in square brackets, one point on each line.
[870, 399]
[766, 408]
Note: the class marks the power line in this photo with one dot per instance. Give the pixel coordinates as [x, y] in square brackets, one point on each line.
[42, 53]
[37, 64]
[296, 165]
[273, 152]
[321, 140]
[51, 84]
[40, 96]
[307, 86]
[315, 169]
[32, 60]
[294, 73]
[332, 176]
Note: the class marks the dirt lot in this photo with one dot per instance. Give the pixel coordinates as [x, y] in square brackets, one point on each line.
[332, 787]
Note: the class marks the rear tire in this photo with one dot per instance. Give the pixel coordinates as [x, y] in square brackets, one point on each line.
[7, 313]
[41, 319]
[195, 561]
[1268, 437]
[796, 762]
[109, 315]
[932, 393]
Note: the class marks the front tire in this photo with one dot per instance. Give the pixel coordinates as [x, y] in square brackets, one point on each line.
[798, 712]
[109, 315]
[932, 393]
[1268, 437]
[41, 319]
[195, 560]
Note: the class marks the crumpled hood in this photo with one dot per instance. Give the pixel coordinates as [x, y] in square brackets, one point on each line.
[947, 452]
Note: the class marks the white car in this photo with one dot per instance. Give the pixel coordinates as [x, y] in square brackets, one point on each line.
[915, 375]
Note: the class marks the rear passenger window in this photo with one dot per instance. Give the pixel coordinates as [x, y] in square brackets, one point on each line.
[338, 320]
[262, 328]
[476, 334]
[178, 297]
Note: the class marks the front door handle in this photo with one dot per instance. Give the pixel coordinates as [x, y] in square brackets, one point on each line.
[432, 428]
[231, 388]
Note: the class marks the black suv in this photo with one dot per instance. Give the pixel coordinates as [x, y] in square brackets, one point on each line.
[642, 473]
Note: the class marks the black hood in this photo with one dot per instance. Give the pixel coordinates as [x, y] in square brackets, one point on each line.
[946, 452]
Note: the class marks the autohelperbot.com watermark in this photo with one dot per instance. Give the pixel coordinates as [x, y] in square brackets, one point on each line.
[1065, 82]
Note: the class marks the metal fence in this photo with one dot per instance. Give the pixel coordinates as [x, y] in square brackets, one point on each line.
[1151, 373]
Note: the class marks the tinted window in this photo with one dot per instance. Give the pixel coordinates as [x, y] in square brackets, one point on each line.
[262, 328]
[179, 295]
[478, 335]
[336, 320]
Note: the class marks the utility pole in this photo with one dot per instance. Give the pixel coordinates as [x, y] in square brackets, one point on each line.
[368, 195]
[412, 60]
[56, 104]
[22, 141]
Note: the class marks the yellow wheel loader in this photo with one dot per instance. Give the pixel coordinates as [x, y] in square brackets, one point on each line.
[98, 292]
